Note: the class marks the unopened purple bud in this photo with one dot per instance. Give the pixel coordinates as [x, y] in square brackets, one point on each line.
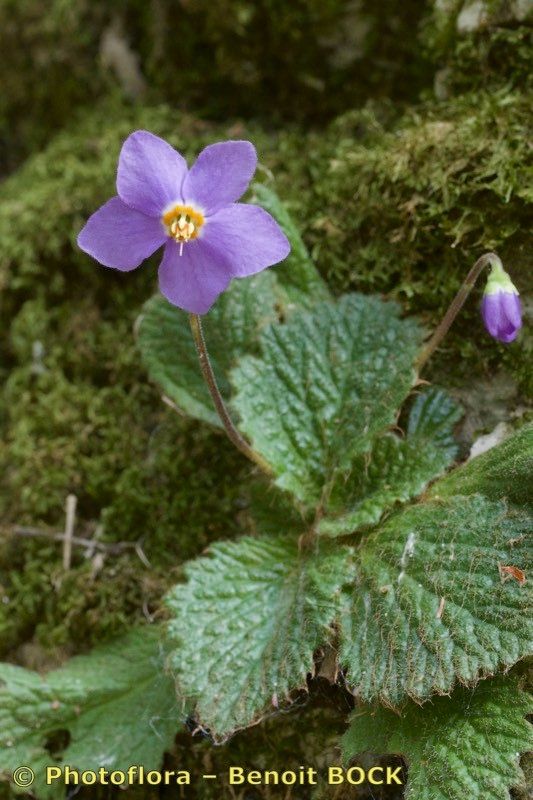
[501, 308]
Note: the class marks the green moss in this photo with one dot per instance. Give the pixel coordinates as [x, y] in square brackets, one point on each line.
[401, 204]
[83, 419]
[80, 417]
[52, 68]
[500, 58]
[67, 612]
[473, 44]
[276, 60]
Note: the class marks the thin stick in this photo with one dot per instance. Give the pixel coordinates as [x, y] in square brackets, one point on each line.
[455, 306]
[111, 548]
[222, 411]
[20, 530]
[72, 502]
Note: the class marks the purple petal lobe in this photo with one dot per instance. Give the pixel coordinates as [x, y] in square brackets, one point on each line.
[220, 175]
[512, 309]
[150, 173]
[490, 311]
[119, 237]
[193, 280]
[247, 237]
[508, 337]
[502, 315]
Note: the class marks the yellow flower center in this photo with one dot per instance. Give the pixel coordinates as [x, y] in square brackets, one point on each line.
[182, 224]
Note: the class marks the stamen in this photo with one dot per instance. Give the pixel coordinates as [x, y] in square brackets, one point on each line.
[182, 224]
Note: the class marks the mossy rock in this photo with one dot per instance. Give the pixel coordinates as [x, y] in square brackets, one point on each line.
[52, 69]
[407, 207]
[307, 60]
[423, 196]
[449, 21]
[79, 417]
[476, 43]
[303, 60]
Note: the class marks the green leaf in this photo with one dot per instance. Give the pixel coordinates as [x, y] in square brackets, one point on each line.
[246, 625]
[466, 746]
[432, 419]
[297, 273]
[231, 329]
[396, 469]
[503, 471]
[429, 606]
[326, 383]
[117, 704]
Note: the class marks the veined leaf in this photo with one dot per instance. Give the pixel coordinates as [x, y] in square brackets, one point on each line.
[326, 383]
[117, 704]
[395, 469]
[429, 605]
[465, 746]
[504, 471]
[246, 625]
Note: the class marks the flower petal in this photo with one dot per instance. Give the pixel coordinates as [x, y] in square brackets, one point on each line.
[506, 338]
[490, 310]
[119, 237]
[512, 309]
[150, 173]
[193, 281]
[502, 315]
[220, 175]
[248, 238]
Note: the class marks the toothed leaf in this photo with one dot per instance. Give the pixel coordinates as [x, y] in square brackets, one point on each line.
[503, 471]
[325, 384]
[116, 703]
[467, 745]
[397, 469]
[429, 606]
[246, 625]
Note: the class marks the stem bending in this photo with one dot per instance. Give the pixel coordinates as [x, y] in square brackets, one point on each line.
[222, 411]
[455, 306]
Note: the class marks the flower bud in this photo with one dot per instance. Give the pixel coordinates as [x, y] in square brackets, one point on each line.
[501, 309]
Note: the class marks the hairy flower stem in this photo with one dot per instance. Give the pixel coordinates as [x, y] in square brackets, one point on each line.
[456, 305]
[222, 411]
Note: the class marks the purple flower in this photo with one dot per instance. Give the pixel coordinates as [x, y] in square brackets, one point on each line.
[500, 308]
[209, 238]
